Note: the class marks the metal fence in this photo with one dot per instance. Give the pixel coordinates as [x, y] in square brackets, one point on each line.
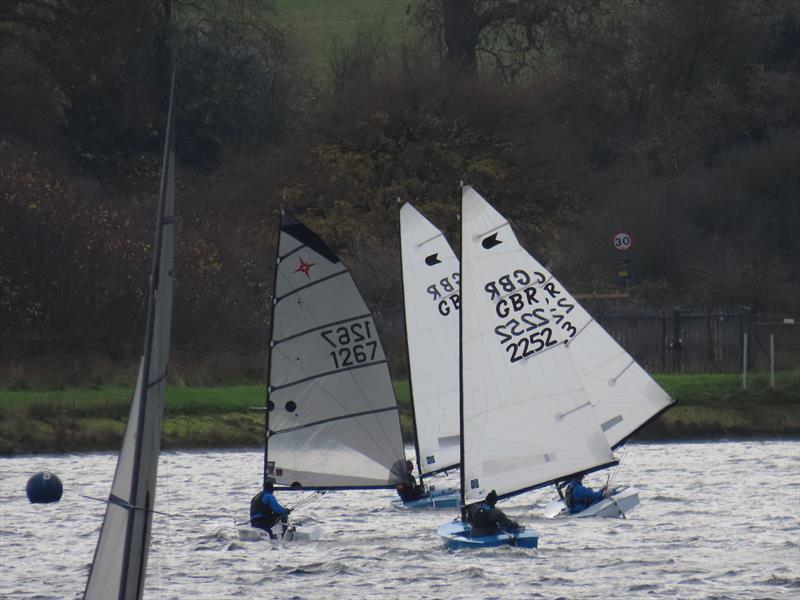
[703, 341]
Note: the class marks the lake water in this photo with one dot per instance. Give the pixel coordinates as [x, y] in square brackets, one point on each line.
[716, 520]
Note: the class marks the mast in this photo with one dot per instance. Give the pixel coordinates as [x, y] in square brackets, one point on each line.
[120, 560]
[462, 486]
[266, 474]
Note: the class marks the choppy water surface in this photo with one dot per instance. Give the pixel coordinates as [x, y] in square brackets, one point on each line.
[717, 520]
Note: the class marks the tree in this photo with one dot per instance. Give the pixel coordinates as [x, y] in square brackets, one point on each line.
[502, 34]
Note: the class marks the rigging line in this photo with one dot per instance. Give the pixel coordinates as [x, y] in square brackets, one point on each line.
[309, 500]
[311, 284]
[155, 382]
[117, 501]
[619, 464]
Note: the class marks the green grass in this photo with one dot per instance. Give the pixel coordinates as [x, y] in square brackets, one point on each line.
[318, 25]
[709, 406]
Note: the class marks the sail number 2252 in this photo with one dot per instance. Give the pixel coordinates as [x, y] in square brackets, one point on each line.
[352, 344]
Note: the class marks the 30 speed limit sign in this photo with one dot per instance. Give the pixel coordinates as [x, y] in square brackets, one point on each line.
[622, 241]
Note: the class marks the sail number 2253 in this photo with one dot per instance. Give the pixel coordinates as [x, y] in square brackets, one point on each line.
[352, 344]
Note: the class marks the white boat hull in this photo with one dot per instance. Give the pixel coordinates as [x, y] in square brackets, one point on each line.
[615, 506]
[294, 533]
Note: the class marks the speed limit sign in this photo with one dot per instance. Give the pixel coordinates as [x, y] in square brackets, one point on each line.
[622, 241]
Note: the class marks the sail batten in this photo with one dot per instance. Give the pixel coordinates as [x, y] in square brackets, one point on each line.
[276, 343]
[326, 374]
[332, 417]
[431, 294]
[323, 422]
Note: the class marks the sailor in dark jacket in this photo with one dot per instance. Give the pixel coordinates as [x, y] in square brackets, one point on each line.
[486, 519]
[409, 490]
[578, 497]
[266, 511]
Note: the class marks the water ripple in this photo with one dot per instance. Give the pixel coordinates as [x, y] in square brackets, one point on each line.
[703, 530]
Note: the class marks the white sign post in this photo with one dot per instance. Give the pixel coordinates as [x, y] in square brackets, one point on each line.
[622, 241]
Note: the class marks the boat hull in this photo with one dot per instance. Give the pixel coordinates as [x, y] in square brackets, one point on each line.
[457, 535]
[294, 533]
[436, 499]
[615, 506]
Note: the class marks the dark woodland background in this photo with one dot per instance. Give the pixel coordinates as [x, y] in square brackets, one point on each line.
[674, 120]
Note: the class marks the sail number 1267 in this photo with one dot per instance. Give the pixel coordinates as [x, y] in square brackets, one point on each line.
[352, 344]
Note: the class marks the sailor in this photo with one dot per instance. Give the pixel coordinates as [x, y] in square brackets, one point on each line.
[408, 490]
[579, 497]
[266, 511]
[486, 519]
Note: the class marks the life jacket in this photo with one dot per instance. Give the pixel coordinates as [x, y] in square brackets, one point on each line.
[409, 490]
[568, 495]
[479, 517]
[261, 515]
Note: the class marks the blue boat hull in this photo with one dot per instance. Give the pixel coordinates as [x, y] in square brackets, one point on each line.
[447, 498]
[456, 534]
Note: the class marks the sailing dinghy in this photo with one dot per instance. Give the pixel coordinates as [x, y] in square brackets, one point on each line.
[623, 395]
[332, 419]
[431, 300]
[526, 420]
[120, 558]
[620, 502]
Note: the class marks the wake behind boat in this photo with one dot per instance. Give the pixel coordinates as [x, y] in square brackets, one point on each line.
[526, 421]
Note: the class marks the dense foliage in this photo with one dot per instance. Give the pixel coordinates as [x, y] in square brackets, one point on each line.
[675, 120]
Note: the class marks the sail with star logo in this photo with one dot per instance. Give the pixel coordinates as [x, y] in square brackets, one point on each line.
[332, 416]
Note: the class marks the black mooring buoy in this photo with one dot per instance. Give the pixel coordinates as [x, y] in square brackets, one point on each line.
[44, 487]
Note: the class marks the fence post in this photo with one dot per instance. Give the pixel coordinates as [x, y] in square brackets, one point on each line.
[772, 360]
[744, 362]
[677, 344]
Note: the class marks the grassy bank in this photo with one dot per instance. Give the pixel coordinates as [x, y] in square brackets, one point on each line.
[75, 419]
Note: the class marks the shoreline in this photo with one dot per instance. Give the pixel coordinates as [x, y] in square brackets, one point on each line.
[709, 407]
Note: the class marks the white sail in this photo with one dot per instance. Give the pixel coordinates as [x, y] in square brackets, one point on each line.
[332, 416]
[120, 559]
[622, 393]
[431, 275]
[526, 417]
